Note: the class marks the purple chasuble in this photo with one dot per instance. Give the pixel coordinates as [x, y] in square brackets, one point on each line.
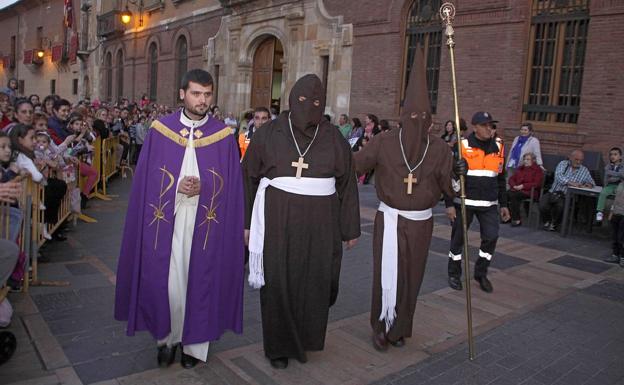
[214, 297]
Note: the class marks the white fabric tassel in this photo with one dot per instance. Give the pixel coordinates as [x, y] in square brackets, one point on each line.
[256, 270]
[388, 312]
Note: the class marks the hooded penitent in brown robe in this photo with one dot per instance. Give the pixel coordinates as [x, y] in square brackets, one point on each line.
[303, 234]
[433, 177]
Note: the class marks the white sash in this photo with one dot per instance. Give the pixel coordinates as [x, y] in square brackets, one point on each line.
[299, 186]
[390, 258]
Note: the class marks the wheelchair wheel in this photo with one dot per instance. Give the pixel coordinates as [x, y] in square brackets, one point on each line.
[8, 344]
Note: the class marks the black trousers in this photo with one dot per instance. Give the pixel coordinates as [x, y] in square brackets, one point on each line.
[551, 207]
[488, 227]
[53, 196]
[617, 223]
[515, 199]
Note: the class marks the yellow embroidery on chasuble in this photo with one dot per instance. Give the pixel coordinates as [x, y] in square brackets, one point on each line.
[159, 210]
[184, 132]
[211, 212]
[182, 141]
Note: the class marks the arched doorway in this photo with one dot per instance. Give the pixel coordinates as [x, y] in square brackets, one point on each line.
[266, 81]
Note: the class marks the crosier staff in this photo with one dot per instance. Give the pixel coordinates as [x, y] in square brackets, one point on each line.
[447, 13]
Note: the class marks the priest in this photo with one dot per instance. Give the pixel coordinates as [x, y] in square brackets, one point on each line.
[301, 204]
[180, 274]
[412, 170]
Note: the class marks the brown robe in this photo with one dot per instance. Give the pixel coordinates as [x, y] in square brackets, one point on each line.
[383, 154]
[303, 234]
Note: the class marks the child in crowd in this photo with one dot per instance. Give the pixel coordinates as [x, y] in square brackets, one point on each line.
[614, 174]
[23, 142]
[8, 172]
[81, 151]
[616, 216]
[46, 155]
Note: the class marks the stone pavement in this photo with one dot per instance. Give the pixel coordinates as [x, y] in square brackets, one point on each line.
[553, 318]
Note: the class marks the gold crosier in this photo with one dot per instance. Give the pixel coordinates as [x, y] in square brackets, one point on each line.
[447, 13]
[211, 212]
[159, 211]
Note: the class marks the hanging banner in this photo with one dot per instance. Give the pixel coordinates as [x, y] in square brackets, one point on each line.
[57, 53]
[28, 56]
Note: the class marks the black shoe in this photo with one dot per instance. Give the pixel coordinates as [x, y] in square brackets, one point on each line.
[166, 355]
[14, 285]
[59, 236]
[8, 344]
[42, 258]
[279, 363]
[485, 284]
[398, 343]
[516, 223]
[612, 259]
[83, 201]
[188, 362]
[455, 283]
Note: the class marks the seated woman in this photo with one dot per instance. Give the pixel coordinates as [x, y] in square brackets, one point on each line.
[8, 258]
[529, 175]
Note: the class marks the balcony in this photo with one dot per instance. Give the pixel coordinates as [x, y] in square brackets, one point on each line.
[109, 24]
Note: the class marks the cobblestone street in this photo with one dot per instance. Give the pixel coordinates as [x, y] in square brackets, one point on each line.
[554, 318]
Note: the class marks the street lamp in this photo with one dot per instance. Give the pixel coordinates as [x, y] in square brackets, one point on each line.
[40, 53]
[126, 15]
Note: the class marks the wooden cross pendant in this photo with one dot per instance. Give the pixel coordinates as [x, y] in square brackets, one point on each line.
[299, 165]
[410, 180]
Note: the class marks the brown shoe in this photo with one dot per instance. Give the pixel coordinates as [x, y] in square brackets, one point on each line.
[380, 343]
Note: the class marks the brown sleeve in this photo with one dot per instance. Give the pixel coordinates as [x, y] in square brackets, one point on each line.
[366, 157]
[445, 174]
[346, 187]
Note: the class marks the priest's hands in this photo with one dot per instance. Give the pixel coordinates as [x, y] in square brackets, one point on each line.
[350, 244]
[190, 186]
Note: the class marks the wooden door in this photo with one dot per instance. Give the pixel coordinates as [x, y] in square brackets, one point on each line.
[262, 75]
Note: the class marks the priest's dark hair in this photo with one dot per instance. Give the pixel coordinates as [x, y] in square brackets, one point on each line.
[198, 76]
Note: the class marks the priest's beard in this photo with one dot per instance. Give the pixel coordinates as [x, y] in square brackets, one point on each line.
[199, 111]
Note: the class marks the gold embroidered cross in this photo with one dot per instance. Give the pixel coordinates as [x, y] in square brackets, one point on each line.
[198, 134]
[159, 210]
[211, 212]
[184, 132]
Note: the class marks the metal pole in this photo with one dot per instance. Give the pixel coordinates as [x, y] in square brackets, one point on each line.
[447, 12]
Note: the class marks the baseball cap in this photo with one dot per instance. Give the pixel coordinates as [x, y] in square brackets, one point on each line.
[482, 117]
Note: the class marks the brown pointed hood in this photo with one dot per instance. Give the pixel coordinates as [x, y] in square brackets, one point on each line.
[416, 113]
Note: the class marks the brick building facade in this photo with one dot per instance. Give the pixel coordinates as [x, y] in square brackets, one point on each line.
[28, 26]
[555, 63]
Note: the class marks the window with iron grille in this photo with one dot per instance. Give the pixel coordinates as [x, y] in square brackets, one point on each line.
[108, 66]
[120, 75]
[153, 72]
[424, 30]
[555, 65]
[181, 62]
